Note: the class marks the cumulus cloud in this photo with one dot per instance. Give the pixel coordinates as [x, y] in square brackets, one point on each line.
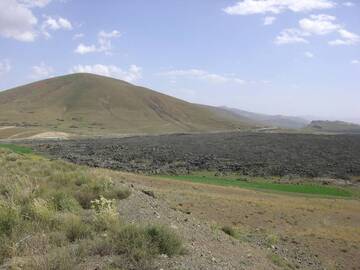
[84, 49]
[54, 24]
[320, 24]
[347, 38]
[269, 20]
[355, 62]
[41, 71]
[291, 36]
[5, 67]
[203, 75]
[133, 74]
[104, 43]
[17, 21]
[249, 7]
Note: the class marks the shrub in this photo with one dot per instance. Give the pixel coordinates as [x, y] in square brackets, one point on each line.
[9, 218]
[65, 202]
[134, 243]
[42, 211]
[117, 193]
[166, 241]
[230, 231]
[74, 227]
[106, 216]
[85, 196]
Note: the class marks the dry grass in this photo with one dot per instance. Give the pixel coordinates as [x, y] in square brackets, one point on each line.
[55, 215]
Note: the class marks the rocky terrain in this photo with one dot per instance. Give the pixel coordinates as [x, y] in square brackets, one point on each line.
[335, 156]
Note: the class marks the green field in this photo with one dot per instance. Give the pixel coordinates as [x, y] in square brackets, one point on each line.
[312, 189]
[17, 149]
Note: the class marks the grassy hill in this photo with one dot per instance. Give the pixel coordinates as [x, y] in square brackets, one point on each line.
[89, 103]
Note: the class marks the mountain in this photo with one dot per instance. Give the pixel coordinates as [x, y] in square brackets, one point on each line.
[333, 126]
[279, 121]
[87, 103]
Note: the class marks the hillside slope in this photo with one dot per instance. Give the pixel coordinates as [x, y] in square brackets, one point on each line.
[85, 102]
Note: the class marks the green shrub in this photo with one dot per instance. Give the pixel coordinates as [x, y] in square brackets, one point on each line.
[42, 211]
[9, 218]
[134, 243]
[117, 193]
[85, 196]
[65, 202]
[74, 227]
[165, 240]
[230, 231]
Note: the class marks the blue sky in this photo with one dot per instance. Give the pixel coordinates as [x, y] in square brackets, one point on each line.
[295, 57]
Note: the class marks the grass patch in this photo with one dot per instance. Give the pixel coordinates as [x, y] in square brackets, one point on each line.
[279, 261]
[230, 231]
[311, 189]
[57, 215]
[17, 148]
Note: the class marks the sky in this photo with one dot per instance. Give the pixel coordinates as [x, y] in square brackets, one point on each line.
[293, 57]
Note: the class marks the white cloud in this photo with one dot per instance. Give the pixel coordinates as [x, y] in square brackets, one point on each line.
[104, 43]
[355, 62]
[347, 38]
[17, 21]
[319, 24]
[35, 3]
[41, 71]
[248, 7]
[349, 4]
[84, 49]
[268, 20]
[291, 36]
[78, 36]
[56, 24]
[203, 75]
[133, 74]
[5, 67]
[309, 55]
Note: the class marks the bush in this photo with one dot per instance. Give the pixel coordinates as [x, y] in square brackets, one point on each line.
[74, 227]
[65, 202]
[9, 218]
[166, 241]
[42, 211]
[230, 231]
[134, 243]
[85, 196]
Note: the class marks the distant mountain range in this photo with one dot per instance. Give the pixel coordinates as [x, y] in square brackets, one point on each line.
[334, 127]
[279, 121]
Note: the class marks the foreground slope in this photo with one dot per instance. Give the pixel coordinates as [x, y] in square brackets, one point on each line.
[86, 102]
